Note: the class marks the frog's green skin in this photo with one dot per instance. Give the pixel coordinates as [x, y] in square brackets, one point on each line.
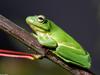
[64, 46]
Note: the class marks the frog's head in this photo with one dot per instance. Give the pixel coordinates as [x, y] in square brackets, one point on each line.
[38, 23]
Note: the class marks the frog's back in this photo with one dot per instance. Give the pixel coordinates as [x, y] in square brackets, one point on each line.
[68, 49]
[62, 37]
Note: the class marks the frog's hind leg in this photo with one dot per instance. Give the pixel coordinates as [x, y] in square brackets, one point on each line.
[71, 56]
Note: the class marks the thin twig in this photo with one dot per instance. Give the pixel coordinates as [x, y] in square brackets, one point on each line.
[31, 42]
[15, 54]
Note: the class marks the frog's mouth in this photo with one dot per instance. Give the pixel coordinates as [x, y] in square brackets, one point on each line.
[37, 28]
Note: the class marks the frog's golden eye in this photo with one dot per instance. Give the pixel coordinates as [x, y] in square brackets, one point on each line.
[41, 18]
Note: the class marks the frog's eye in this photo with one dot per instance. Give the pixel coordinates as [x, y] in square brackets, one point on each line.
[41, 18]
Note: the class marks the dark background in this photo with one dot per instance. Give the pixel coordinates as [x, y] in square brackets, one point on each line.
[80, 18]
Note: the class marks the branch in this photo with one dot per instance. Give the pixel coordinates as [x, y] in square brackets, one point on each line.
[31, 42]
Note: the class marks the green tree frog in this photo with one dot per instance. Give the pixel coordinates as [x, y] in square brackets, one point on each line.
[59, 42]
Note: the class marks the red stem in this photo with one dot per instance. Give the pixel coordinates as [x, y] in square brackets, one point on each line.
[7, 53]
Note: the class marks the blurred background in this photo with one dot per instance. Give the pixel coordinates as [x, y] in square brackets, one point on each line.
[80, 18]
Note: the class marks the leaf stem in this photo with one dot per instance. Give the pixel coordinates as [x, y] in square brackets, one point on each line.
[7, 53]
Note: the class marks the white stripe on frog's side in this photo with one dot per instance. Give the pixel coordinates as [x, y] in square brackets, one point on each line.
[73, 48]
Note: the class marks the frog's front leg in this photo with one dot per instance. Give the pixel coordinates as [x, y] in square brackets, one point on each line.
[47, 41]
